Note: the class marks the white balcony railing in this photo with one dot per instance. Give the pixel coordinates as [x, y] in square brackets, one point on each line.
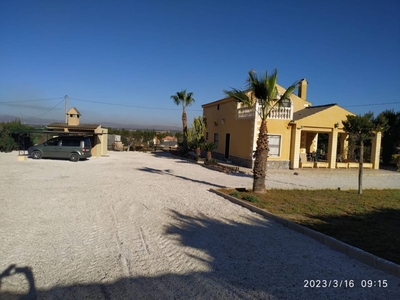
[283, 113]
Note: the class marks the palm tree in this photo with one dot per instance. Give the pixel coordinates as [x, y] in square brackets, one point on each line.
[363, 128]
[185, 99]
[262, 94]
[209, 147]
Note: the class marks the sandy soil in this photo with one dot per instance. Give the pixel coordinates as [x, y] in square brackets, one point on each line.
[139, 226]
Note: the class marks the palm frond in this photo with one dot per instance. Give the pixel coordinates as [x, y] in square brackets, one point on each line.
[176, 99]
[240, 96]
[286, 94]
[271, 85]
[290, 90]
[182, 94]
[183, 98]
[252, 79]
[189, 98]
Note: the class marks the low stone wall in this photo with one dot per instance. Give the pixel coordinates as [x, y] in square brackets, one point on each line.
[248, 163]
[238, 161]
[278, 164]
[221, 168]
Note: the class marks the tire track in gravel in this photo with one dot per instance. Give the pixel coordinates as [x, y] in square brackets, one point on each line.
[107, 225]
[87, 251]
[146, 251]
[122, 257]
[149, 253]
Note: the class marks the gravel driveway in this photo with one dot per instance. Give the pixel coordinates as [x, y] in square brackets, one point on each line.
[138, 226]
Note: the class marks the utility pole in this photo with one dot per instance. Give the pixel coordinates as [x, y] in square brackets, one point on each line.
[20, 118]
[66, 109]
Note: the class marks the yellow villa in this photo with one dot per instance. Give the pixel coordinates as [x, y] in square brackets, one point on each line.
[293, 131]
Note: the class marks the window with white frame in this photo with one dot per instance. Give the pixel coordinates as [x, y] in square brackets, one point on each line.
[274, 142]
[216, 139]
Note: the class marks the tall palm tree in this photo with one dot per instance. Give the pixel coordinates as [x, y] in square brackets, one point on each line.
[262, 94]
[185, 99]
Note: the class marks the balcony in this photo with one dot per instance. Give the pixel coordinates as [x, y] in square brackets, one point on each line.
[283, 113]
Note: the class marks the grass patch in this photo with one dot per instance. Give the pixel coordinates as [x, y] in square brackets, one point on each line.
[370, 221]
[235, 194]
[251, 198]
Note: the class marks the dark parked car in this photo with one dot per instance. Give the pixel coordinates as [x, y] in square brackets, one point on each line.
[73, 148]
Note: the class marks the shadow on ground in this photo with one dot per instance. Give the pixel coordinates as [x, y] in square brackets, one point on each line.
[376, 232]
[179, 159]
[168, 172]
[250, 260]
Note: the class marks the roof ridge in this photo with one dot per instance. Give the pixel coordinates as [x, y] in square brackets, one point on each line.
[323, 105]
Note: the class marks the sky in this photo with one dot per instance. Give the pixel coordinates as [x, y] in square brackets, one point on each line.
[120, 61]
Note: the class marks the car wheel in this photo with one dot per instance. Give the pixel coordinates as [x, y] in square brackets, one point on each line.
[74, 157]
[36, 155]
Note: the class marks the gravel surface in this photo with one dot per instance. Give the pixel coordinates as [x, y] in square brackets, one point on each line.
[143, 226]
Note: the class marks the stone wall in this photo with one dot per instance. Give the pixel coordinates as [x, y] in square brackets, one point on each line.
[248, 163]
[278, 164]
[238, 161]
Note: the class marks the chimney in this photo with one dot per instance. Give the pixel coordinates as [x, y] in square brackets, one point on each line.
[303, 89]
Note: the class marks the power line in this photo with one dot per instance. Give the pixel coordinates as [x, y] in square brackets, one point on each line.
[50, 109]
[129, 105]
[44, 112]
[97, 102]
[10, 102]
[373, 104]
[156, 108]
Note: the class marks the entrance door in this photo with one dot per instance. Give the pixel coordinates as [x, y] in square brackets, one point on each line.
[227, 142]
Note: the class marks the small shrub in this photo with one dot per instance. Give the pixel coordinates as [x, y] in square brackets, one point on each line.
[396, 160]
[213, 161]
[234, 194]
[251, 198]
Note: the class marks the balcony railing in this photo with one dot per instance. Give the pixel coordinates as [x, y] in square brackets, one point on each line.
[283, 113]
[245, 113]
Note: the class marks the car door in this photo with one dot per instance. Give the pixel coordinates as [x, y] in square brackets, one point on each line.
[50, 148]
[65, 148]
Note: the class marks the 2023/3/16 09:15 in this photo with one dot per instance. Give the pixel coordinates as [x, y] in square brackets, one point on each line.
[348, 283]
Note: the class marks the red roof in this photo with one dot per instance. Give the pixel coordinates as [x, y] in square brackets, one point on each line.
[169, 138]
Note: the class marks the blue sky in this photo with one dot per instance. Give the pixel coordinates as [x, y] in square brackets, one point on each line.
[139, 53]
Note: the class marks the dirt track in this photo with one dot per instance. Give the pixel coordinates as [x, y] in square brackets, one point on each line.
[138, 226]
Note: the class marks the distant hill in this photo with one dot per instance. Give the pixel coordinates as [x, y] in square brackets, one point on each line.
[44, 122]
[27, 121]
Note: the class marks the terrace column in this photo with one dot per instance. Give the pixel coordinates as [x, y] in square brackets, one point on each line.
[315, 143]
[344, 145]
[333, 136]
[295, 147]
[376, 150]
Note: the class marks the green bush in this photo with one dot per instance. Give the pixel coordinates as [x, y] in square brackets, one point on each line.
[213, 161]
[209, 146]
[396, 160]
[234, 194]
[251, 198]
[8, 130]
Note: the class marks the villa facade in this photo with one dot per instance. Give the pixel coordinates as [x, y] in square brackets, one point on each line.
[293, 131]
